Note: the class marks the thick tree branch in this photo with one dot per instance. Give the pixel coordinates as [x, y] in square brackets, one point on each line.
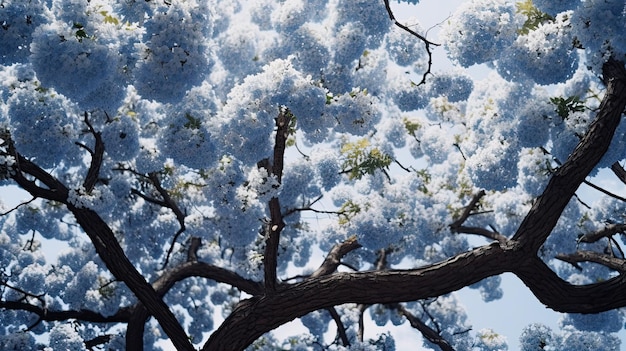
[561, 296]
[276, 223]
[270, 311]
[545, 212]
[111, 253]
[106, 245]
[289, 302]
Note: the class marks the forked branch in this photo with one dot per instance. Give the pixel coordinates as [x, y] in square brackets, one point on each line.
[427, 43]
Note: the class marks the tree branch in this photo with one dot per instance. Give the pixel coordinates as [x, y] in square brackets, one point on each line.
[106, 245]
[458, 227]
[341, 329]
[619, 171]
[618, 264]
[171, 204]
[111, 253]
[546, 211]
[96, 157]
[276, 223]
[333, 258]
[429, 333]
[45, 314]
[392, 286]
[427, 43]
[135, 330]
[608, 231]
[604, 191]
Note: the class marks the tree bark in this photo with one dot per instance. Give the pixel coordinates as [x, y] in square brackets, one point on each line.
[260, 314]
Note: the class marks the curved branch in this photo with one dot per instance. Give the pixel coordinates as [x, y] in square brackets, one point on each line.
[429, 333]
[341, 329]
[546, 211]
[333, 259]
[608, 231]
[618, 264]
[427, 43]
[136, 324]
[562, 296]
[391, 286]
[45, 314]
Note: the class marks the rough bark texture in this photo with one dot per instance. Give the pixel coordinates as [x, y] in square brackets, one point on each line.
[260, 314]
[273, 304]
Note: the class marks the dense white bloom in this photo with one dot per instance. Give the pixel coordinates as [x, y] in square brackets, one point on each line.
[43, 125]
[174, 55]
[546, 54]
[479, 30]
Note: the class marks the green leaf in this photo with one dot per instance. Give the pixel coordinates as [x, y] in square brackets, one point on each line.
[534, 17]
[360, 159]
[347, 211]
[565, 106]
[109, 19]
[192, 122]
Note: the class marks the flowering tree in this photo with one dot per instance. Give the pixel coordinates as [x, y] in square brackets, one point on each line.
[190, 155]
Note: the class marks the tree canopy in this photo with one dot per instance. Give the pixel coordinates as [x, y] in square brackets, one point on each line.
[185, 159]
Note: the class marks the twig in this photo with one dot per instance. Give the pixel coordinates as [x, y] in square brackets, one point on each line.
[17, 206]
[604, 191]
[429, 333]
[171, 204]
[458, 227]
[341, 329]
[427, 43]
[97, 156]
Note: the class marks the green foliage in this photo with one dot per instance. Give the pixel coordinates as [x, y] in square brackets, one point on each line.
[563, 107]
[109, 19]
[534, 17]
[80, 31]
[425, 177]
[347, 211]
[361, 159]
[411, 126]
[192, 122]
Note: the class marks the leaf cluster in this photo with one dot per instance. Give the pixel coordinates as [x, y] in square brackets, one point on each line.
[534, 17]
[361, 159]
[565, 106]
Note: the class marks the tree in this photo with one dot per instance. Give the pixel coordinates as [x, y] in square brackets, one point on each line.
[180, 149]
